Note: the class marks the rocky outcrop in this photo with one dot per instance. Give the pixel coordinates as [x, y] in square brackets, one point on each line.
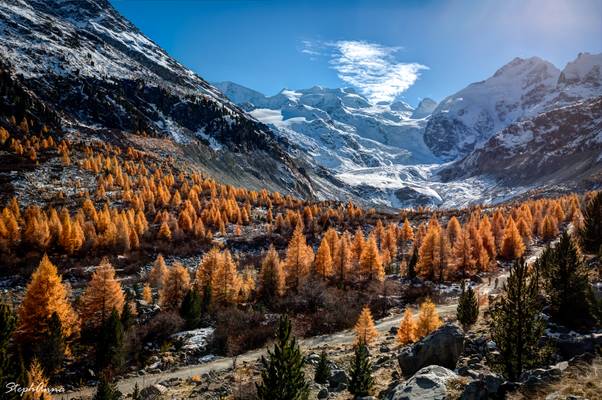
[428, 383]
[562, 145]
[442, 347]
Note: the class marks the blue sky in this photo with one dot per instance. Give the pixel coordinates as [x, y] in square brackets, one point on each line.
[386, 49]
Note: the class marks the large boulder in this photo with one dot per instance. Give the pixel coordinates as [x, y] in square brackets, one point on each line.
[430, 383]
[442, 347]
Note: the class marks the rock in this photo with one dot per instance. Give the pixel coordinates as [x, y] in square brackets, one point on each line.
[312, 358]
[442, 347]
[338, 380]
[384, 348]
[393, 330]
[428, 383]
[323, 393]
[483, 387]
[540, 376]
[152, 392]
[573, 344]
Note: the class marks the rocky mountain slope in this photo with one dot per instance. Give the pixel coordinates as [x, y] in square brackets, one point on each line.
[520, 90]
[554, 147]
[102, 77]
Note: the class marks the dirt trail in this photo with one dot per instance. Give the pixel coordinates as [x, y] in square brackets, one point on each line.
[345, 337]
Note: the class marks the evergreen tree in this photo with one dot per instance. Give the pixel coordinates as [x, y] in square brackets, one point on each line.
[51, 349]
[109, 349]
[282, 377]
[411, 272]
[8, 322]
[361, 372]
[566, 284]
[191, 309]
[468, 307]
[127, 318]
[136, 393]
[322, 369]
[516, 325]
[591, 233]
[106, 389]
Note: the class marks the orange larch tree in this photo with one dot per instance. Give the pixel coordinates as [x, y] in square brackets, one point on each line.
[299, 258]
[512, 243]
[365, 330]
[44, 295]
[102, 295]
[323, 261]
[371, 267]
[406, 333]
[175, 287]
[271, 276]
[226, 281]
[428, 319]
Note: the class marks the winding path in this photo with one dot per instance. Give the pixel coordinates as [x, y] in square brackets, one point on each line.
[345, 337]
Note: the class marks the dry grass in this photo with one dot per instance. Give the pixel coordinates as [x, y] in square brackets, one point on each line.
[583, 380]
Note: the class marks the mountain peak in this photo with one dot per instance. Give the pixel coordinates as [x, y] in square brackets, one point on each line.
[584, 70]
[425, 108]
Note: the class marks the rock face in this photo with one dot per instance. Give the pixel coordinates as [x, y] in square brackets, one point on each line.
[442, 347]
[85, 63]
[568, 141]
[430, 383]
[519, 91]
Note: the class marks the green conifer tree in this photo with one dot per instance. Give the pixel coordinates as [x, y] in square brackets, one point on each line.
[411, 274]
[516, 324]
[468, 307]
[8, 322]
[136, 393]
[51, 349]
[566, 284]
[106, 389]
[190, 309]
[322, 369]
[127, 319]
[361, 372]
[282, 377]
[591, 233]
[110, 348]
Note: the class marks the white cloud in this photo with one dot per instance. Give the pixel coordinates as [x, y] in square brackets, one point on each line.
[370, 67]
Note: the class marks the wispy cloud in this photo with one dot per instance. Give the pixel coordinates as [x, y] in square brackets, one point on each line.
[370, 67]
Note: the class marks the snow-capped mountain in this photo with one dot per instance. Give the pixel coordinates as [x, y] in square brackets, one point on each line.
[339, 128]
[520, 90]
[95, 70]
[470, 116]
[556, 147]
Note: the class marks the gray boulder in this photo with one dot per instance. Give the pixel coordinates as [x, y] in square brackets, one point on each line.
[442, 347]
[430, 383]
[152, 392]
[338, 380]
